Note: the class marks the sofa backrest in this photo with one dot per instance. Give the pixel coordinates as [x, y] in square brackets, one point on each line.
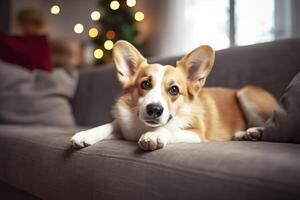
[96, 93]
[270, 65]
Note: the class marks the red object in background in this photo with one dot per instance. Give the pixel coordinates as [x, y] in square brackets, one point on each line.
[31, 52]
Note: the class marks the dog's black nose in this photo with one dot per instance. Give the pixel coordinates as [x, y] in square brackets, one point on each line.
[154, 110]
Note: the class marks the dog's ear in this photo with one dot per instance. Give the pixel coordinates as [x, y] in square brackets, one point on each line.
[127, 59]
[197, 65]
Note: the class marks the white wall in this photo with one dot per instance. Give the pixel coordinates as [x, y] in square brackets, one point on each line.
[178, 26]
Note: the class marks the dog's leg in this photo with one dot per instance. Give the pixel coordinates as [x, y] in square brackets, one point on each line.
[257, 105]
[162, 136]
[251, 134]
[91, 136]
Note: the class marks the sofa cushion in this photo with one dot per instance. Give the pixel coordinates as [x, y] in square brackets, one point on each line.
[31, 52]
[284, 124]
[40, 160]
[36, 97]
[12, 193]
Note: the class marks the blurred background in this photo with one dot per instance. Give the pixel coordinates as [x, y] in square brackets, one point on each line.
[83, 32]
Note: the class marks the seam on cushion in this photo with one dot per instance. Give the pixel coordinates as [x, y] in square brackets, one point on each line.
[21, 190]
[209, 173]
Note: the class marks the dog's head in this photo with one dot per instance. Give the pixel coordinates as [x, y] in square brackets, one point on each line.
[157, 92]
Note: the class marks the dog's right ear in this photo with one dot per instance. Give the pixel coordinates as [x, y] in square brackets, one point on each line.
[127, 59]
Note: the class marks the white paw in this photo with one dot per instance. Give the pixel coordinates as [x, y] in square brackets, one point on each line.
[152, 141]
[255, 133]
[251, 134]
[81, 139]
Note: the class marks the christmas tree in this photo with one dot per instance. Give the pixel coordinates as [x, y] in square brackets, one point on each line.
[117, 21]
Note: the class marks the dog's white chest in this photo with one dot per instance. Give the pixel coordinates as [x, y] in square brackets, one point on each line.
[131, 127]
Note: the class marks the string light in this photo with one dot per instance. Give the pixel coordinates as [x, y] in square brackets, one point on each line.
[95, 15]
[114, 5]
[93, 32]
[131, 3]
[110, 34]
[55, 9]
[98, 53]
[108, 44]
[78, 28]
[139, 16]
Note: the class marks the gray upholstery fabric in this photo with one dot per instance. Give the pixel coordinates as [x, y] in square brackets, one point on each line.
[39, 160]
[45, 165]
[284, 125]
[11, 193]
[36, 97]
[96, 93]
[269, 65]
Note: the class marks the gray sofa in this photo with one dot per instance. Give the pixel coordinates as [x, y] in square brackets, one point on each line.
[37, 162]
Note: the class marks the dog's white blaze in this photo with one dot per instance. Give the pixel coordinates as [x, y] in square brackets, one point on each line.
[155, 95]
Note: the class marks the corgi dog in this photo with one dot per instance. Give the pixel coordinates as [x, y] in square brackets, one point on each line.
[163, 104]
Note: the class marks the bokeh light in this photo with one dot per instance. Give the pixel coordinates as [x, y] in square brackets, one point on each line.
[55, 9]
[110, 34]
[131, 3]
[98, 53]
[78, 28]
[114, 5]
[95, 15]
[139, 16]
[93, 32]
[108, 44]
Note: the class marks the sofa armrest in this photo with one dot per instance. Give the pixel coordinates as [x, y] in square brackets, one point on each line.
[96, 93]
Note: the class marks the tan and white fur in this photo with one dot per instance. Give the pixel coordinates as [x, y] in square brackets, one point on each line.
[163, 104]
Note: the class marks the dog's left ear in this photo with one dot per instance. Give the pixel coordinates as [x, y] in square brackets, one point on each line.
[197, 65]
[127, 59]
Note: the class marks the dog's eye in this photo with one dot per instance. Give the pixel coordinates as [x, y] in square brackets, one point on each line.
[174, 90]
[146, 85]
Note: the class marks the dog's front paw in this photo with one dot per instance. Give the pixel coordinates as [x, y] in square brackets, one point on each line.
[80, 140]
[152, 141]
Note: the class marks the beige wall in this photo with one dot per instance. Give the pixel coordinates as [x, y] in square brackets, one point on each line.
[61, 25]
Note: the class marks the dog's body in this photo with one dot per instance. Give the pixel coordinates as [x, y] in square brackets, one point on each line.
[166, 104]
